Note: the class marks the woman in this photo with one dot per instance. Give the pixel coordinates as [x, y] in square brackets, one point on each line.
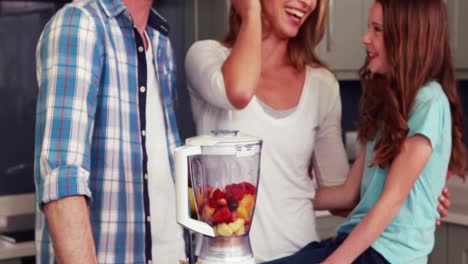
[264, 79]
[412, 125]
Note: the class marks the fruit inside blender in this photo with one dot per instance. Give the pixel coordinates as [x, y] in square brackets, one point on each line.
[227, 209]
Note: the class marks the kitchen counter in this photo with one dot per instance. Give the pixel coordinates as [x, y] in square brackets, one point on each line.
[17, 214]
[16, 250]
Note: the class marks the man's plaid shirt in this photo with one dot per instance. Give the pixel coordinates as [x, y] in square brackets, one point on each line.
[90, 127]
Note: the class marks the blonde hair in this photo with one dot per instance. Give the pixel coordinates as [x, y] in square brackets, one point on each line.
[301, 48]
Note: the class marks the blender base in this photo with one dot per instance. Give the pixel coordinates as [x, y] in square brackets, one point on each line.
[222, 250]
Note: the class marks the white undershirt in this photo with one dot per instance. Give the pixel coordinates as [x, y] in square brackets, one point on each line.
[284, 219]
[167, 235]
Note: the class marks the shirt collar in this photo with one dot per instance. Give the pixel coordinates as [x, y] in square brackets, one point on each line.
[113, 8]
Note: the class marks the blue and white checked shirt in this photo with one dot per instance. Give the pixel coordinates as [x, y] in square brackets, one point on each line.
[90, 128]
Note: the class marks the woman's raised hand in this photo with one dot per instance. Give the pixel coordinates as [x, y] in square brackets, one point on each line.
[246, 7]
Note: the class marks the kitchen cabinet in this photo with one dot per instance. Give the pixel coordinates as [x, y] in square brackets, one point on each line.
[458, 20]
[341, 47]
[451, 245]
[327, 224]
[205, 19]
[439, 253]
[457, 246]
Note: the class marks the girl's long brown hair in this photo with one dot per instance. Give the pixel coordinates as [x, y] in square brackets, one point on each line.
[416, 40]
[301, 49]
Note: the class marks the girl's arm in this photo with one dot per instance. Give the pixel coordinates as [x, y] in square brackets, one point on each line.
[403, 173]
[346, 195]
[241, 71]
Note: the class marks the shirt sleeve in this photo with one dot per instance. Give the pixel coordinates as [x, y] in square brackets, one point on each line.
[427, 116]
[68, 67]
[203, 64]
[329, 160]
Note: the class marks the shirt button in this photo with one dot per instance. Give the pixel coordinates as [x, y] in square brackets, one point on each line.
[146, 176]
[143, 132]
[148, 218]
[142, 89]
[141, 49]
[150, 261]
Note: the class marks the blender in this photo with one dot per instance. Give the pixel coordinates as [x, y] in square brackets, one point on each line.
[224, 169]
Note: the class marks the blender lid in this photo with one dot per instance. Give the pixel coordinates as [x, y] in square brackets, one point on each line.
[223, 138]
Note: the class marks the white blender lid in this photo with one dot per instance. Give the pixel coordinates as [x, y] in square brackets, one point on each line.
[223, 138]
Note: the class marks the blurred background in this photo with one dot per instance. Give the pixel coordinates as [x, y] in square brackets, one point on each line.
[21, 23]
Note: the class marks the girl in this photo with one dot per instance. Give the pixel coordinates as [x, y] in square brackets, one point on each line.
[412, 127]
[264, 79]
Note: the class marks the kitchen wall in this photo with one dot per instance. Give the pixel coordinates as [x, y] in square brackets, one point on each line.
[19, 33]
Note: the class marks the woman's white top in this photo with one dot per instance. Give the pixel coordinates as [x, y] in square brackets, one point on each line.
[284, 219]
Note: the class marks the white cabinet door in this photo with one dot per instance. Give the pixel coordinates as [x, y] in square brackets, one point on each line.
[458, 21]
[462, 47]
[457, 244]
[205, 19]
[439, 253]
[341, 47]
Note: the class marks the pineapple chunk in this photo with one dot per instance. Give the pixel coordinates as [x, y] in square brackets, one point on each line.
[240, 231]
[236, 225]
[224, 230]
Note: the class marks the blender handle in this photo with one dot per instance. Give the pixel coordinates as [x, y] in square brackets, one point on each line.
[181, 176]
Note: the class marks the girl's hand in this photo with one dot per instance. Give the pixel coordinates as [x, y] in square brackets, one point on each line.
[444, 204]
[245, 7]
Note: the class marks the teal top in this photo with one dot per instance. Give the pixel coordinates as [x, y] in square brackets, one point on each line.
[409, 238]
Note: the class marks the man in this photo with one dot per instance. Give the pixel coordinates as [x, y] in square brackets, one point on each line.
[105, 133]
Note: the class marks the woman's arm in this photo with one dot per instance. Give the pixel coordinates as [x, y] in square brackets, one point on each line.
[329, 161]
[241, 71]
[346, 195]
[415, 153]
[227, 79]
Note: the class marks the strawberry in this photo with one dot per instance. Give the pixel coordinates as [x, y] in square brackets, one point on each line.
[229, 188]
[233, 218]
[236, 191]
[221, 215]
[249, 188]
[212, 203]
[218, 194]
[208, 189]
[222, 202]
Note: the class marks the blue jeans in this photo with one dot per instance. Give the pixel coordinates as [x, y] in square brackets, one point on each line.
[317, 252]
